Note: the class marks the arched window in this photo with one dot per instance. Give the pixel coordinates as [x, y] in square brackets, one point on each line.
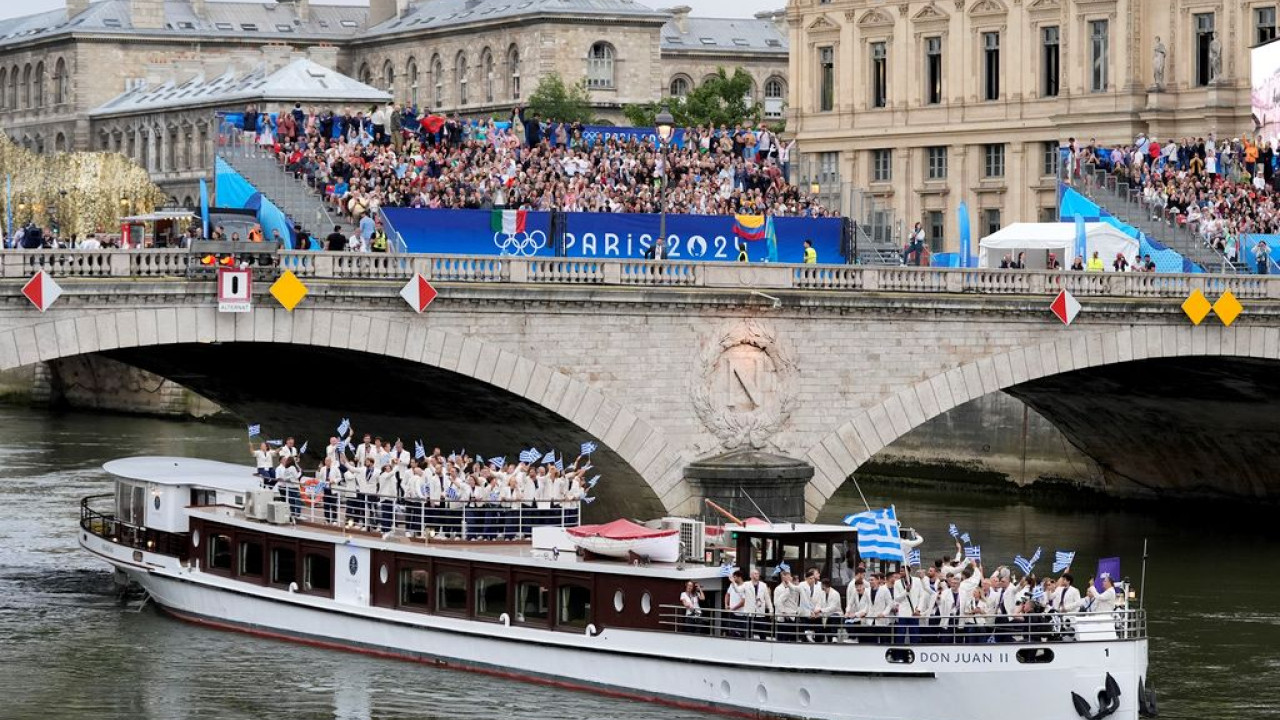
[60, 143]
[26, 87]
[486, 67]
[389, 77]
[437, 79]
[600, 66]
[61, 83]
[365, 75]
[775, 97]
[513, 72]
[461, 71]
[13, 89]
[4, 88]
[749, 97]
[680, 86]
[39, 83]
[412, 72]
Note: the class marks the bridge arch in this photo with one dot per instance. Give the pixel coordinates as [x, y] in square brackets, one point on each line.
[842, 451]
[639, 447]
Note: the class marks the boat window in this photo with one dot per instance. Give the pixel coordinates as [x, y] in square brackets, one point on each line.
[900, 656]
[816, 556]
[491, 596]
[532, 602]
[203, 496]
[219, 552]
[619, 600]
[414, 589]
[574, 606]
[251, 558]
[317, 573]
[451, 592]
[1035, 656]
[131, 503]
[284, 565]
[646, 602]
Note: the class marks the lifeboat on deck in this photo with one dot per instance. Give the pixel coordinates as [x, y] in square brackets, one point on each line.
[622, 538]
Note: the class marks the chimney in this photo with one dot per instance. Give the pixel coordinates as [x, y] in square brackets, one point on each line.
[275, 56]
[304, 10]
[197, 7]
[147, 14]
[157, 74]
[186, 68]
[324, 56]
[680, 16]
[779, 18]
[75, 7]
[215, 66]
[381, 11]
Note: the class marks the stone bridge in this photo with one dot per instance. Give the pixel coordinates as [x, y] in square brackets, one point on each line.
[667, 363]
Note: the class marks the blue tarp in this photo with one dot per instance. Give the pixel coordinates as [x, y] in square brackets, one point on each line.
[1250, 241]
[233, 191]
[1073, 203]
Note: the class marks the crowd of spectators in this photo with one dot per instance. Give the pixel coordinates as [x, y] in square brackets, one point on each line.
[392, 157]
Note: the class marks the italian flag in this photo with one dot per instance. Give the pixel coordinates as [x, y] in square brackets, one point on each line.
[508, 222]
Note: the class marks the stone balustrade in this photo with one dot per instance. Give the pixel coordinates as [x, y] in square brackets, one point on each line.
[167, 263]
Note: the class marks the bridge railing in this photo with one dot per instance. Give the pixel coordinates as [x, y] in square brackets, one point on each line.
[174, 263]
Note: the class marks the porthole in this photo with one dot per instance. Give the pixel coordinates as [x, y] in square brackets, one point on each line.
[1035, 656]
[900, 656]
[384, 574]
[724, 688]
[195, 538]
[618, 601]
[646, 603]
[762, 694]
[805, 699]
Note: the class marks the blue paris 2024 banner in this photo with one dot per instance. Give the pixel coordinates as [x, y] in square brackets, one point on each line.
[610, 235]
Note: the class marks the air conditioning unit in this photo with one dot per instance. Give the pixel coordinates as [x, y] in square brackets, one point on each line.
[693, 536]
[257, 503]
[278, 513]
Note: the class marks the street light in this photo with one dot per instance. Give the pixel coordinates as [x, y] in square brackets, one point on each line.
[665, 125]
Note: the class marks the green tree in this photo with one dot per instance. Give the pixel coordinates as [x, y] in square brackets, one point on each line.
[558, 101]
[720, 100]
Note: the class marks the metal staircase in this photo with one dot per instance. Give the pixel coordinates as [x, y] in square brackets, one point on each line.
[300, 202]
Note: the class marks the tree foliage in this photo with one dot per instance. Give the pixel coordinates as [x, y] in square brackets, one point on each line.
[558, 101]
[720, 100]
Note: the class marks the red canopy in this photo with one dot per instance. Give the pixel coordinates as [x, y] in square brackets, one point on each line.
[619, 530]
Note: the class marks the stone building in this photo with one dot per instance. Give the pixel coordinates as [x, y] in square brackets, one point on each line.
[924, 103]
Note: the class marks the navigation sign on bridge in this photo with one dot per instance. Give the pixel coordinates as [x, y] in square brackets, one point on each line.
[235, 286]
[41, 290]
[418, 293]
[1065, 307]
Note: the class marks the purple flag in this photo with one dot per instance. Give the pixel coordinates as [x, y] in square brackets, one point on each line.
[1109, 567]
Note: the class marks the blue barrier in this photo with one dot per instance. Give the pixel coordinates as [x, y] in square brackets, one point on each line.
[609, 235]
[1249, 242]
[1166, 260]
[233, 191]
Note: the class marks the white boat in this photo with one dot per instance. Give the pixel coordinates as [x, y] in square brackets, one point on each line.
[210, 547]
[624, 539]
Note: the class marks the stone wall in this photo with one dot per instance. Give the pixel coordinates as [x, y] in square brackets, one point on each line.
[99, 383]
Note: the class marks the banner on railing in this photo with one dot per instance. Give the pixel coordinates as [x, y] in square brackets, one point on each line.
[609, 235]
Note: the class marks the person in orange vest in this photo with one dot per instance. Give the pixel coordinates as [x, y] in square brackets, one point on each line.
[255, 233]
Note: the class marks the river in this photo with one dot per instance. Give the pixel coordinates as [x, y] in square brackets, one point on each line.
[70, 651]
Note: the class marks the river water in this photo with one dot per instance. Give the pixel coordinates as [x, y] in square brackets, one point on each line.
[69, 651]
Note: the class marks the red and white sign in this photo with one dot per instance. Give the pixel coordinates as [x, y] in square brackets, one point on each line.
[41, 290]
[235, 290]
[418, 293]
[1066, 307]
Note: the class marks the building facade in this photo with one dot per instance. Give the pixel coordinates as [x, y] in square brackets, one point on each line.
[923, 104]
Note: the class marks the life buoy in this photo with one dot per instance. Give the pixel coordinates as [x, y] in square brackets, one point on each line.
[311, 491]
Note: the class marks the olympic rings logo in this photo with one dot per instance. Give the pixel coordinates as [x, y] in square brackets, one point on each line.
[524, 244]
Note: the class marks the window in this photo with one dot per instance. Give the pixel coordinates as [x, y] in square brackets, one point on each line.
[532, 602]
[251, 558]
[486, 67]
[61, 82]
[933, 70]
[389, 77]
[1098, 55]
[879, 75]
[1049, 158]
[574, 606]
[491, 596]
[219, 552]
[284, 565]
[775, 97]
[936, 162]
[26, 87]
[936, 229]
[1264, 24]
[365, 74]
[412, 72]
[991, 220]
[881, 165]
[679, 86]
[1204, 38]
[317, 573]
[991, 65]
[414, 588]
[4, 86]
[437, 79]
[1048, 214]
[826, 79]
[513, 69]
[451, 592]
[993, 161]
[460, 71]
[600, 66]
[1051, 61]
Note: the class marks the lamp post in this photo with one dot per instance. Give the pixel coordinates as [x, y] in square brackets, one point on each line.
[665, 125]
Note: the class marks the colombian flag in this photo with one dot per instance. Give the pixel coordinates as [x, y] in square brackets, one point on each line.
[749, 227]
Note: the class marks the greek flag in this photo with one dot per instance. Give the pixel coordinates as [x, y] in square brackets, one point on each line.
[1037, 594]
[973, 552]
[1035, 556]
[1023, 564]
[964, 537]
[255, 430]
[955, 532]
[275, 443]
[419, 452]
[1062, 560]
[913, 559]
[588, 500]
[592, 482]
[303, 450]
[344, 427]
[878, 534]
[560, 464]
[498, 462]
[530, 456]
[451, 493]
[588, 448]
[549, 458]
[726, 570]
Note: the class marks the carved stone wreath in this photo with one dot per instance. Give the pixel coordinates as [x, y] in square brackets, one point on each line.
[744, 390]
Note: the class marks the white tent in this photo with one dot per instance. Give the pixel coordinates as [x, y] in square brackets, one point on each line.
[1037, 240]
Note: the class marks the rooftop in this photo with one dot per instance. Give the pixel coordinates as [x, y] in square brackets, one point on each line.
[744, 35]
[444, 13]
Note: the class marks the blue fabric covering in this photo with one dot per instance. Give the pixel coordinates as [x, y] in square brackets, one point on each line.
[233, 191]
[1073, 203]
[1249, 242]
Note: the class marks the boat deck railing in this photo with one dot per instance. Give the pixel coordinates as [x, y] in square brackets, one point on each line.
[104, 524]
[446, 518]
[1111, 626]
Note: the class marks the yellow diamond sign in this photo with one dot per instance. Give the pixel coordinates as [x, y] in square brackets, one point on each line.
[1227, 308]
[289, 290]
[1196, 306]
